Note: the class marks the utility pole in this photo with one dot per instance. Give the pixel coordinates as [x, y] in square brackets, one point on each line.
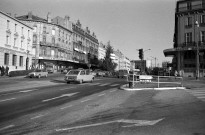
[197, 54]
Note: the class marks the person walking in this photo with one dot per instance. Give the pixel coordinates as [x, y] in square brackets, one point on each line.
[2, 71]
[7, 70]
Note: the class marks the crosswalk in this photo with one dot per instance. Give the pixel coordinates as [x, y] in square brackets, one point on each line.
[101, 84]
[199, 93]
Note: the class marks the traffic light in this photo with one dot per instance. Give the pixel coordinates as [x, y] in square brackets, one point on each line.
[141, 55]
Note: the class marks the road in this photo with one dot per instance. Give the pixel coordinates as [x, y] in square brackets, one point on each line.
[97, 108]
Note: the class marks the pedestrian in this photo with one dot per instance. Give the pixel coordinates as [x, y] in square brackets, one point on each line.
[175, 74]
[2, 71]
[7, 70]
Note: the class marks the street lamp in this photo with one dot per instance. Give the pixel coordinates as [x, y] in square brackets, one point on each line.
[197, 55]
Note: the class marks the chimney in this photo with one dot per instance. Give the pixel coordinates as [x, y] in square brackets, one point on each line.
[49, 17]
[30, 15]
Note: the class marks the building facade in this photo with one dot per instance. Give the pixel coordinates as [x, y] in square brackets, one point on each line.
[84, 43]
[101, 51]
[189, 38]
[51, 41]
[15, 43]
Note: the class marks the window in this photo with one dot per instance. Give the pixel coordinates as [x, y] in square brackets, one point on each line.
[202, 36]
[8, 22]
[6, 59]
[202, 19]
[82, 73]
[53, 40]
[14, 41]
[21, 43]
[28, 33]
[7, 40]
[188, 37]
[34, 39]
[14, 60]
[21, 61]
[44, 30]
[44, 39]
[15, 27]
[53, 32]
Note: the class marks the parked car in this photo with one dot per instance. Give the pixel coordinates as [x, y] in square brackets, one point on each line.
[79, 75]
[38, 73]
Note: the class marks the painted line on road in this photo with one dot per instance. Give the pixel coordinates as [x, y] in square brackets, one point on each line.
[7, 127]
[38, 116]
[7, 99]
[85, 100]
[64, 95]
[101, 95]
[112, 90]
[66, 107]
[24, 91]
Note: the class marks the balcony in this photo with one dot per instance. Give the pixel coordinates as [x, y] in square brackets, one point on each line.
[191, 8]
[188, 26]
[16, 34]
[8, 31]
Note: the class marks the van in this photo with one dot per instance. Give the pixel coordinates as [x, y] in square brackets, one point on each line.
[123, 73]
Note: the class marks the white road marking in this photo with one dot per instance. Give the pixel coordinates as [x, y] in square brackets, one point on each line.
[38, 116]
[64, 95]
[135, 122]
[85, 100]
[104, 84]
[112, 90]
[7, 127]
[114, 85]
[93, 83]
[66, 107]
[101, 95]
[24, 91]
[7, 99]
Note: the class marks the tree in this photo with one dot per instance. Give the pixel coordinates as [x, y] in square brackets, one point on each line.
[108, 64]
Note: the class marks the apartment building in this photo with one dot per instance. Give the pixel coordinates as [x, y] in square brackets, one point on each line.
[189, 38]
[15, 43]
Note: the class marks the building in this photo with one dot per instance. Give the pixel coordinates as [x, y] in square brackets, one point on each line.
[139, 64]
[189, 38]
[85, 44]
[101, 51]
[15, 43]
[51, 41]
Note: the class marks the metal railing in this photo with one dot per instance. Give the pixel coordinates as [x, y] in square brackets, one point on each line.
[151, 81]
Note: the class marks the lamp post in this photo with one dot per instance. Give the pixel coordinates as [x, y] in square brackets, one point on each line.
[197, 55]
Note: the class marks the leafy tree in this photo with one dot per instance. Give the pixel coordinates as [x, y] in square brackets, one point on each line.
[108, 64]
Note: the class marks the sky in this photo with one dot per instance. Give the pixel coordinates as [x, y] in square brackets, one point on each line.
[128, 24]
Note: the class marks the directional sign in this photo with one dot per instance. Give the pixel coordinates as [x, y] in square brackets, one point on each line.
[126, 121]
[64, 95]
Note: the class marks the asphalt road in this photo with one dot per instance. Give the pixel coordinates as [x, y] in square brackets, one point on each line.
[99, 108]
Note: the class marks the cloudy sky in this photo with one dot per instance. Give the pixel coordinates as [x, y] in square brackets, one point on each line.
[128, 24]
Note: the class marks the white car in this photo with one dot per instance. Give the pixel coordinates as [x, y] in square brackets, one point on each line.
[38, 73]
[79, 75]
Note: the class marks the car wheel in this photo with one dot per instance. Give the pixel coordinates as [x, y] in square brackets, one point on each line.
[68, 82]
[81, 81]
[39, 76]
[92, 80]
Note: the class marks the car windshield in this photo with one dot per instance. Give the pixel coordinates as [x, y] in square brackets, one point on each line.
[73, 72]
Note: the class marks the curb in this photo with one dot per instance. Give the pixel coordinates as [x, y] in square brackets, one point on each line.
[123, 87]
